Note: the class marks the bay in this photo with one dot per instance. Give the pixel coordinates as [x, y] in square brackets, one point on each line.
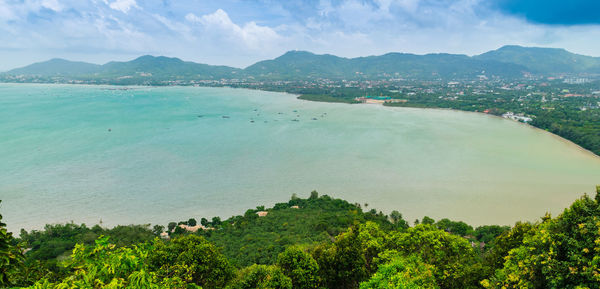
[116, 155]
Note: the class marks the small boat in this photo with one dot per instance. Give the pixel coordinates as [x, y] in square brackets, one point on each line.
[295, 119]
[225, 116]
[251, 121]
[200, 115]
[314, 118]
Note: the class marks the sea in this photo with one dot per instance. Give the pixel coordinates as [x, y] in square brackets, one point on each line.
[114, 155]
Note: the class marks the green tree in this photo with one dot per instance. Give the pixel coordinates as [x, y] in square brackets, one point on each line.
[451, 255]
[402, 273]
[300, 267]
[459, 228]
[261, 277]
[193, 259]
[488, 234]
[343, 264]
[427, 221]
[563, 252]
[397, 220]
[104, 266]
[216, 221]
[10, 255]
[157, 229]
[494, 258]
[192, 222]
[171, 226]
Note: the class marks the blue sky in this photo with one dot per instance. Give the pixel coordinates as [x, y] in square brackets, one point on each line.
[241, 32]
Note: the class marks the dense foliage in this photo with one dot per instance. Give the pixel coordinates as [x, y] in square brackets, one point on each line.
[10, 255]
[106, 266]
[563, 252]
[192, 259]
[581, 127]
[402, 273]
[250, 239]
[375, 251]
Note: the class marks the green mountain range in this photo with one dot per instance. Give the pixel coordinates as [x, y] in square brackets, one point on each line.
[506, 62]
[300, 64]
[544, 60]
[57, 66]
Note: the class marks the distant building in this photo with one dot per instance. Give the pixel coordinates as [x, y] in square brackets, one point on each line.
[378, 99]
[262, 213]
[192, 229]
[517, 117]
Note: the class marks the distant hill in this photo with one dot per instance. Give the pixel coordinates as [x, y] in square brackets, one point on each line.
[142, 68]
[302, 64]
[544, 60]
[57, 66]
[166, 67]
[506, 62]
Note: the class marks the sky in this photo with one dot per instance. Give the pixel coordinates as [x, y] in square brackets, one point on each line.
[241, 32]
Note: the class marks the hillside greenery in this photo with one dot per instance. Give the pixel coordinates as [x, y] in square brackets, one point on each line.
[372, 251]
[544, 60]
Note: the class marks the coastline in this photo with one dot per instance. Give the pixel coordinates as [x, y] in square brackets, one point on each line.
[298, 97]
[340, 115]
[560, 138]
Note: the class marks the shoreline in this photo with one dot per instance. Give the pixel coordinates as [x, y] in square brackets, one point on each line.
[297, 96]
[560, 138]
[289, 100]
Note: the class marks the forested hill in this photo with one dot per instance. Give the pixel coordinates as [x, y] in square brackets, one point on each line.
[318, 242]
[58, 66]
[305, 65]
[142, 70]
[544, 60]
[507, 62]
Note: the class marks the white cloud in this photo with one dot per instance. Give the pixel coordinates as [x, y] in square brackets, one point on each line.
[220, 26]
[254, 30]
[53, 5]
[6, 14]
[123, 5]
[408, 5]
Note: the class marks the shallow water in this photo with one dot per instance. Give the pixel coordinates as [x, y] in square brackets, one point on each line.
[154, 155]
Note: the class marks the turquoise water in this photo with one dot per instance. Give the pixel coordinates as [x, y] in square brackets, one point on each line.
[153, 155]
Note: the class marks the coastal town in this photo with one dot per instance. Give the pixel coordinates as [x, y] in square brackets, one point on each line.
[565, 104]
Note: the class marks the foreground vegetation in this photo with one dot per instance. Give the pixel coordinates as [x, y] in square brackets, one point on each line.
[318, 242]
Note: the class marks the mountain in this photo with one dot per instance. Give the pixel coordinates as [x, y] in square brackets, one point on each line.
[55, 67]
[302, 64]
[142, 68]
[544, 60]
[166, 67]
[505, 62]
